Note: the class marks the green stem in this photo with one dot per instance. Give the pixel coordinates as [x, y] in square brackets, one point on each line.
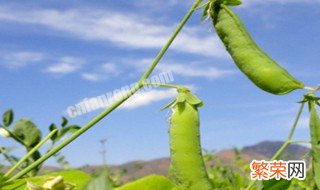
[287, 142]
[6, 156]
[161, 84]
[281, 150]
[29, 154]
[115, 104]
[165, 48]
[12, 135]
[300, 142]
[293, 128]
[202, 6]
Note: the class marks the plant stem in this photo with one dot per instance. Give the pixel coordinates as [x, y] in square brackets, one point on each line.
[12, 135]
[287, 142]
[202, 6]
[115, 104]
[293, 128]
[161, 84]
[300, 142]
[33, 150]
[6, 156]
[281, 149]
[165, 48]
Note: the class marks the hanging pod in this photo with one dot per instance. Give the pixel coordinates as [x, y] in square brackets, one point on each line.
[187, 168]
[263, 71]
[314, 125]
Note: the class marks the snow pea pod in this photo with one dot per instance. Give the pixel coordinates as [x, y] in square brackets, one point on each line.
[187, 168]
[262, 70]
[315, 137]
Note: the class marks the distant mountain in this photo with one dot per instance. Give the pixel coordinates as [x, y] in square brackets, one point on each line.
[269, 148]
[260, 151]
[137, 169]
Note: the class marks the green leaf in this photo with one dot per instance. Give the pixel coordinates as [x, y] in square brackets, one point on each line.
[185, 95]
[180, 98]
[64, 122]
[51, 128]
[169, 105]
[35, 156]
[28, 132]
[74, 177]
[62, 132]
[274, 184]
[101, 180]
[151, 182]
[232, 2]
[2, 180]
[193, 99]
[61, 160]
[205, 13]
[69, 129]
[7, 117]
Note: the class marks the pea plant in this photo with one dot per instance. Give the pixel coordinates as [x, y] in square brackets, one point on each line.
[27, 134]
[187, 169]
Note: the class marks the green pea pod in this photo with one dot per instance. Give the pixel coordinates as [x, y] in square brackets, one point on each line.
[315, 138]
[187, 168]
[263, 71]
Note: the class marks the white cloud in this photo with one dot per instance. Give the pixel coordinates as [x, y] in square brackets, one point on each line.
[156, 4]
[66, 65]
[186, 69]
[148, 97]
[304, 122]
[20, 59]
[190, 41]
[190, 70]
[287, 122]
[110, 68]
[252, 2]
[63, 68]
[91, 76]
[277, 112]
[101, 73]
[143, 97]
[121, 29]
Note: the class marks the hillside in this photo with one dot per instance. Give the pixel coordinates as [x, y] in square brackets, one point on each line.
[268, 148]
[264, 150]
[136, 169]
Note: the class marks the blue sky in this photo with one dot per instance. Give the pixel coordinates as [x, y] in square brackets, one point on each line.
[53, 54]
